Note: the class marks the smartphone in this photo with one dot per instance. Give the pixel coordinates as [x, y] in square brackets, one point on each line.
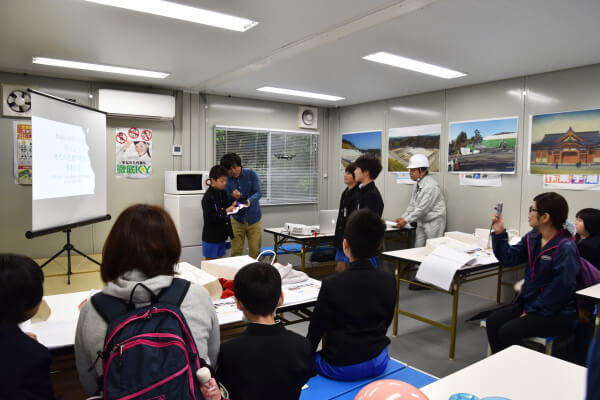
[498, 209]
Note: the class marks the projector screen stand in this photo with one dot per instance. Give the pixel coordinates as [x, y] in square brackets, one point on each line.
[68, 247]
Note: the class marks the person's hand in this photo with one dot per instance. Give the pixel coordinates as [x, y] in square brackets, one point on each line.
[498, 224]
[210, 390]
[524, 314]
[248, 203]
[236, 194]
[400, 223]
[32, 335]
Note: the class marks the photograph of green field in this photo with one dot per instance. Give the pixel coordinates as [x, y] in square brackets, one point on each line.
[483, 146]
[565, 143]
[405, 142]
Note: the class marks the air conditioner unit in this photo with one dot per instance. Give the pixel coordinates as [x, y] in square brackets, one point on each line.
[308, 117]
[121, 103]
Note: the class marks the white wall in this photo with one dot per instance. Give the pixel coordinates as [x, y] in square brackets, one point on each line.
[193, 127]
[472, 207]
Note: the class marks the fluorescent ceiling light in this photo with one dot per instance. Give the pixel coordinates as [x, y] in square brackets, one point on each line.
[419, 111]
[533, 96]
[300, 93]
[99, 67]
[235, 107]
[413, 65]
[182, 12]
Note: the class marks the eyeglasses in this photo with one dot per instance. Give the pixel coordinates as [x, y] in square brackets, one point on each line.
[531, 209]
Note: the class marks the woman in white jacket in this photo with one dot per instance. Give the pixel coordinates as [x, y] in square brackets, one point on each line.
[142, 246]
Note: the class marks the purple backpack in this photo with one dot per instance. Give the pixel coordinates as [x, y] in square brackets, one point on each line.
[588, 276]
[149, 352]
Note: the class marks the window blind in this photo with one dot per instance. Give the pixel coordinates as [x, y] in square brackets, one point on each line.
[286, 161]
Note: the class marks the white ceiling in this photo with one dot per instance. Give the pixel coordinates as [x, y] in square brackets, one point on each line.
[312, 45]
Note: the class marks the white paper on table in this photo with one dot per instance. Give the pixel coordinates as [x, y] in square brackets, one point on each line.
[54, 334]
[227, 311]
[301, 292]
[441, 265]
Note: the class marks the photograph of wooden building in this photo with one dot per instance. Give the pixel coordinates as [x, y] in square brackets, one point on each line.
[570, 150]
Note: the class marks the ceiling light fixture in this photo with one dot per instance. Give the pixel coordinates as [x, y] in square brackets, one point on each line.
[299, 93]
[99, 67]
[182, 12]
[419, 111]
[413, 65]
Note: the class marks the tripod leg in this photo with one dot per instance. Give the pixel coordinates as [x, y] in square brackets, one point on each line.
[69, 266]
[52, 258]
[85, 255]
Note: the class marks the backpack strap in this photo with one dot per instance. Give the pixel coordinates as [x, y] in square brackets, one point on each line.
[109, 307]
[175, 293]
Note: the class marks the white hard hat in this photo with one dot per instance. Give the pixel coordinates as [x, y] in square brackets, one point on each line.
[418, 161]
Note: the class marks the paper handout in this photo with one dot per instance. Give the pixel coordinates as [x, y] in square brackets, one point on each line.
[441, 265]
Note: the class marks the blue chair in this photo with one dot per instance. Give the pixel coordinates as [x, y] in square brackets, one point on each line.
[290, 248]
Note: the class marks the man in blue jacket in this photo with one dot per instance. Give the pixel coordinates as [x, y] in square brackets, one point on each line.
[546, 305]
[244, 186]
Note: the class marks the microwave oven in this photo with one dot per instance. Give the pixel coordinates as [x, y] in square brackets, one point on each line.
[186, 182]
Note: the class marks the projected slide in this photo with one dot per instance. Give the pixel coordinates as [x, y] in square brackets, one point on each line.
[64, 153]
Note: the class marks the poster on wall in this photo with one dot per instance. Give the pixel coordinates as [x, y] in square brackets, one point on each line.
[404, 142]
[22, 152]
[487, 145]
[566, 143]
[355, 144]
[134, 153]
[572, 182]
[480, 179]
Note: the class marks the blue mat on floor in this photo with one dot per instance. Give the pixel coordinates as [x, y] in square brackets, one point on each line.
[320, 388]
[409, 375]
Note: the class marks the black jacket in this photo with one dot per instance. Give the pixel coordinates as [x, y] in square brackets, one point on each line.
[348, 203]
[217, 226]
[589, 248]
[369, 197]
[266, 362]
[24, 367]
[353, 312]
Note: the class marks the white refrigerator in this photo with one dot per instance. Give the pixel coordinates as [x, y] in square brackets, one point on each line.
[186, 211]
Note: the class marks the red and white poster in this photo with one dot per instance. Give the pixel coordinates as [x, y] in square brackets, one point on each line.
[22, 152]
[134, 153]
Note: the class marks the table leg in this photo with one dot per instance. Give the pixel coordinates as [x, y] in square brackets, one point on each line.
[303, 257]
[275, 243]
[396, 304]
[455, 291]
[499, 288]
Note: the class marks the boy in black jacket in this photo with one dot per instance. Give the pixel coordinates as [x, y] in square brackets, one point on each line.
[367, 170]
[267, 361]
[355, 307]
[215, 206]
[24, 363]
[348, 202]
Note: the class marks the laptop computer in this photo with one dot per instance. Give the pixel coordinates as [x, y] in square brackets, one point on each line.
[327, 220]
